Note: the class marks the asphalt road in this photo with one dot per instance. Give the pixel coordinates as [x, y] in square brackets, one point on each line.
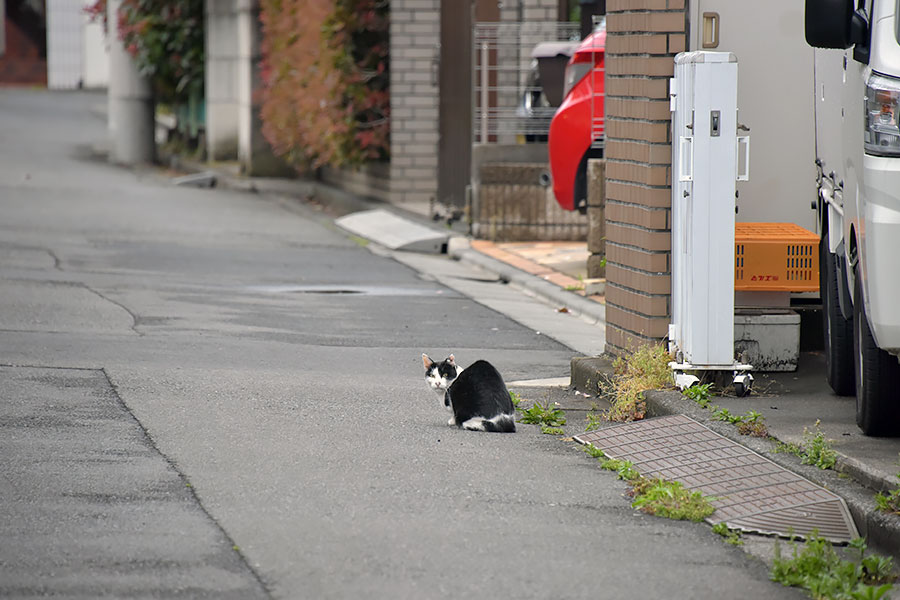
[209, 393]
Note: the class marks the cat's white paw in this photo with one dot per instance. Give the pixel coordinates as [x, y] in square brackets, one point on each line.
[474, 424]
[452, 422]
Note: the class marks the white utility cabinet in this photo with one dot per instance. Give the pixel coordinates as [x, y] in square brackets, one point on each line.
[708, 156]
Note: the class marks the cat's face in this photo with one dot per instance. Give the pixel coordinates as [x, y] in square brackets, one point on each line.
[439, 375]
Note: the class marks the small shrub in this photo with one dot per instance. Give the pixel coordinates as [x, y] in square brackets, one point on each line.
[325, 75]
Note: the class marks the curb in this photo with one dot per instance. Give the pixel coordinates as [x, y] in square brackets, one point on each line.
[850, 479]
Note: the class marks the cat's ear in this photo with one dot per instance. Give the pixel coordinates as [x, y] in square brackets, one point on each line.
[451, 360]
[427, 361]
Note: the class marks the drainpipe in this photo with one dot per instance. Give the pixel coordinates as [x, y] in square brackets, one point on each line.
[131, 105]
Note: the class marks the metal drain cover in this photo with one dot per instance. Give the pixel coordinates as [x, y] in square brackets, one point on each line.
[750, 492]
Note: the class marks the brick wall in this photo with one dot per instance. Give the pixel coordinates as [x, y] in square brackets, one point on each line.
[415, 31]
[643, 36]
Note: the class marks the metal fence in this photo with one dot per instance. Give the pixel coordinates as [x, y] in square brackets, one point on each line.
[508, 105]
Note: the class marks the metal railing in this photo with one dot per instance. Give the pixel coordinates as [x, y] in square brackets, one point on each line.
[508, 103]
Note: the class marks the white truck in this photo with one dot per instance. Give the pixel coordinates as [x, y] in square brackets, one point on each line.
[857, 113]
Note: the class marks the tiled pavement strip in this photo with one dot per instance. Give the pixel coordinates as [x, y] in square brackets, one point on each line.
[560, 263]
[748, 491]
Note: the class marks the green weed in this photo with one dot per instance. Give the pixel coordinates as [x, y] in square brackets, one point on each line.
[593, 421]
[753, 423]
[670, 499]
[516, 399]
[731, 536]
[543, 414]
[699, 394]
[623, 468]
[359, 241]
[815, 449]
[725, 415]
[889, 502]
[818, 569]
[546, 429]
[647, 368]
[593, 451]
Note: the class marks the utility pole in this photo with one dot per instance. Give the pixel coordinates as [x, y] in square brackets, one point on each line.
[131, 106]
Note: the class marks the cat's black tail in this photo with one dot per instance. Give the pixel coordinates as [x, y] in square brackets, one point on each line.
[501, 424]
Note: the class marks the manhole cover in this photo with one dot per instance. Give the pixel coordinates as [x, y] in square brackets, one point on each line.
[750, 492]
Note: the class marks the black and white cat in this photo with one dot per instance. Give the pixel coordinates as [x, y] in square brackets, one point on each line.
[476, 396]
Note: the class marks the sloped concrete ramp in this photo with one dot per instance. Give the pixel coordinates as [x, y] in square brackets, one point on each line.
[750, 492]
[392, 231]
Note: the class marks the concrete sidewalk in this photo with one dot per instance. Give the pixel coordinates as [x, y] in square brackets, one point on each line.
[793, 404]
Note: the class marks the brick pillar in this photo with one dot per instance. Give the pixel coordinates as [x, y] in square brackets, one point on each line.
[643, 36]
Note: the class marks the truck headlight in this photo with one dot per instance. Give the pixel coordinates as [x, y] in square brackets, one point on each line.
[882, 135]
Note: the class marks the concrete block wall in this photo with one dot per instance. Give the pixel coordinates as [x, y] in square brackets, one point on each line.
[643, 37]
[415, 32]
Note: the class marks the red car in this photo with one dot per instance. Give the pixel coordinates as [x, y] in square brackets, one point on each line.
[576, 131]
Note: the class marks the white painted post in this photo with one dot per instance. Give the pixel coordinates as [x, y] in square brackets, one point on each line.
[131, 103]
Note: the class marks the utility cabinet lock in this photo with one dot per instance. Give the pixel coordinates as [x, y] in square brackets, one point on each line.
[714, 123]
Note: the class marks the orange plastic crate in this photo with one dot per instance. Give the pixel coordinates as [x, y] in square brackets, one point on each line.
[775, 257]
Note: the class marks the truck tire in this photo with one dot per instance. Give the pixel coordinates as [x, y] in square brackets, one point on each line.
[877, 374]
[839, 369]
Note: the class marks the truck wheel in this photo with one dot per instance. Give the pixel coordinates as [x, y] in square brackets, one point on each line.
[839, 369]
[877, 374]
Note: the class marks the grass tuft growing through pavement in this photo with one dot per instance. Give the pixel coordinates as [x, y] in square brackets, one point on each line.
[889, 502]
[815, 449]
[731, 536]
[670, 499]
[547, 414]
[818, 569]
[647, 368]
[657, 497]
